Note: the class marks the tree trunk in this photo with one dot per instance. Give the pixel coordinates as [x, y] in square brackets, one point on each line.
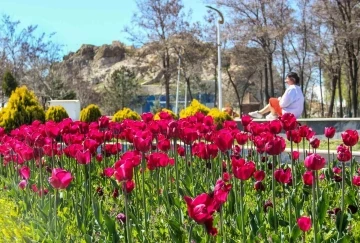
[271, 75]
[189, 88]
[235, 89]
[267, 96]
[283, 65]
[321, 88]
[332, 98]
[340, 94]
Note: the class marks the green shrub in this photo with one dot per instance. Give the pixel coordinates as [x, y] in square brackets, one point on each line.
[90, 114]
[125, 113]
[219, 116]
[194, 107]
[23, 108]
[56, 113]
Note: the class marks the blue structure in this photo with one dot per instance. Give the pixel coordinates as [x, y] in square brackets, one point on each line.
[149, 101]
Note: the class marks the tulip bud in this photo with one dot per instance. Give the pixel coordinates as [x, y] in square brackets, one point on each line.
[121, 218]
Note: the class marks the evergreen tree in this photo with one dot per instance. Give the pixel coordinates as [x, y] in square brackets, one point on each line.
[9, 83]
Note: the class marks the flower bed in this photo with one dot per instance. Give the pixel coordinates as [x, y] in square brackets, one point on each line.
[181, 180]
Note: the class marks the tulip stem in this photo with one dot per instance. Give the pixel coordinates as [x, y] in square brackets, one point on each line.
[342, 199]
[190, 232]
[41, 181]
[293, 169]
[128, 230]
[314, 206]
[143, 190]
[222, 223]
[158, 186]
[55, 212]
[329, 166]
[303, 238]
[351, 163]
[273, 192]
[243, 234]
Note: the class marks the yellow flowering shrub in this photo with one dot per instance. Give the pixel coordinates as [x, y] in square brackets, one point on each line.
[194, 107]
[125, 113]
[23, 108]
[90, 114]
[12, 229]
[170, 112]
[219, 116]
[56, 113]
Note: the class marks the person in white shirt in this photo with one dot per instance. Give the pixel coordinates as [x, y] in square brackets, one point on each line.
[292, 101]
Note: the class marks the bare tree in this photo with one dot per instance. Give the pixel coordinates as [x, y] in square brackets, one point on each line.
[159, 22]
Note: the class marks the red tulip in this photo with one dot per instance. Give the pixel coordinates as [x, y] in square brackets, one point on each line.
[293, 135]
[188, 135]
[181, 150]
[226, 176]
[221, 191]
[163, 143]
[83, 157]
[108, 172]
[259, 186]
[275, 126]
[308, 178]
[356, 180]
[276, 146]
[156, 160]
[22, 184]
[314, 162]
[336, 170]
[304, 223]
[124, 170]
[245, 120]
[303, 131]
[243, 172]
[224, 140]
[267, 204]
[99, 158]
[283, 176]
[103, 122]
[201, 209]
[112, 149]
[311, 133]
[330, 132]
[259, 175]
[128, 186]
[295, 155]
[350, 137]
[241, 138]
[142, 141]
[343, 153]
[232, 125]
[314, 142]
[60, 178]
[147, 117]
[133, 156]
[25, 172]
[172, 130]
[288, 121]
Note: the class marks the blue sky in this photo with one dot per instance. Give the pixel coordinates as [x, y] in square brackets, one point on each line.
[79, 22]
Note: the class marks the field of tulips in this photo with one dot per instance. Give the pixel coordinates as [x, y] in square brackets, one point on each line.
[179, 181]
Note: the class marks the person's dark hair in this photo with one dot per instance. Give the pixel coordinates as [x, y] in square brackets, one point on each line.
[294, 77]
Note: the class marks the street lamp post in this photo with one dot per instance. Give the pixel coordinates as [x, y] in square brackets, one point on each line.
[220, 21]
